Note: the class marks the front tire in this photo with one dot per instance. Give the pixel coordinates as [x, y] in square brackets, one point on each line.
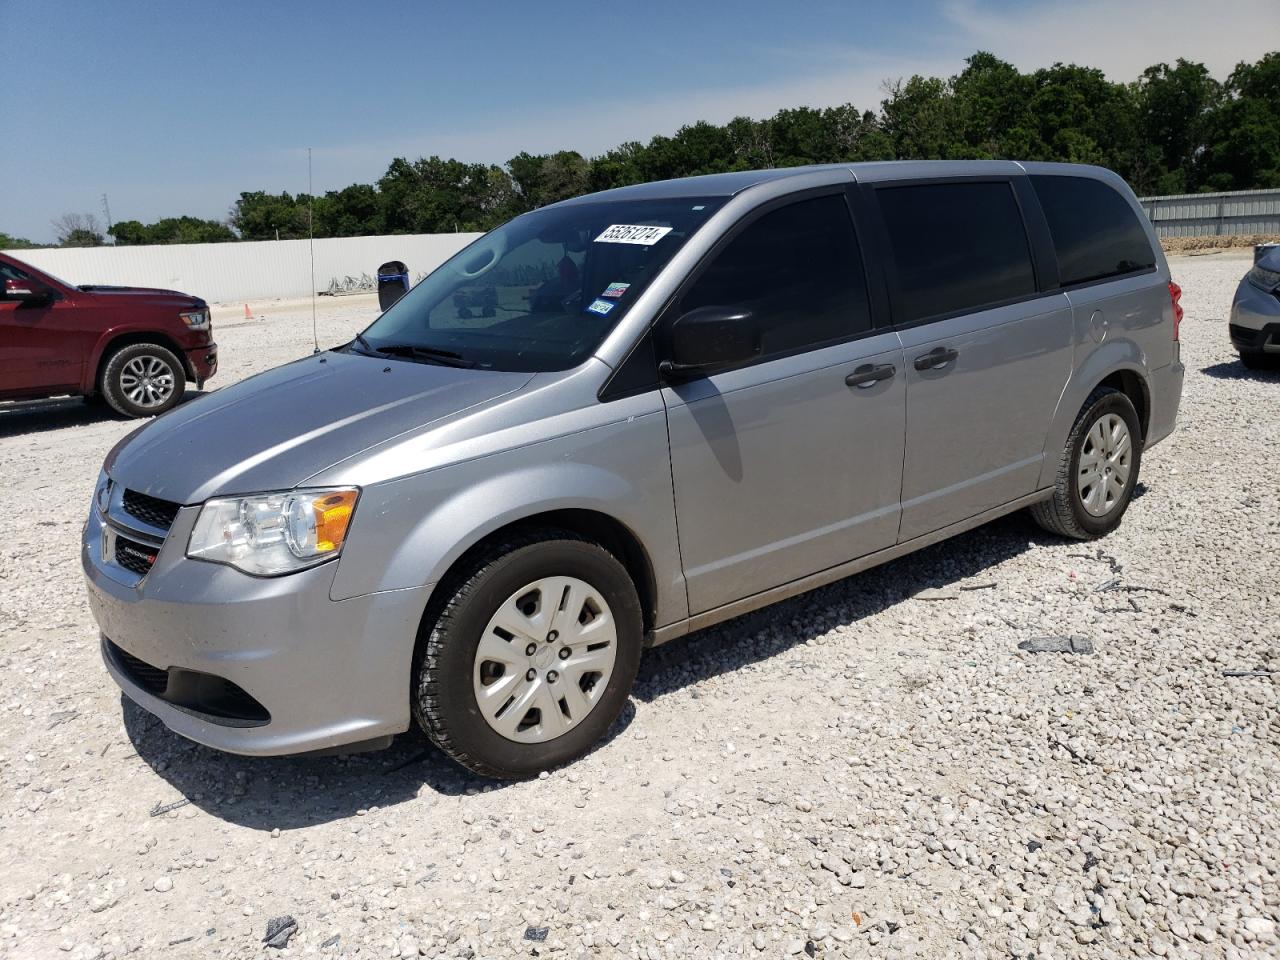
[143, 380]
[529, 654]
[1098, 469]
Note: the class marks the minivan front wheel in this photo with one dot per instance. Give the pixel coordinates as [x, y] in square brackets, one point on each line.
[1097, 471]
[529, 655]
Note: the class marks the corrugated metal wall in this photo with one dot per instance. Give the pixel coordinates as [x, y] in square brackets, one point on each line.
[1211, 214]
[252, 270]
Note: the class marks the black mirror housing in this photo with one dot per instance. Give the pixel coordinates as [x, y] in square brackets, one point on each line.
[709, 338]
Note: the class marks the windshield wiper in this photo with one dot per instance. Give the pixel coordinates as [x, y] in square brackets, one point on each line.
[415, 351]
[367, 347]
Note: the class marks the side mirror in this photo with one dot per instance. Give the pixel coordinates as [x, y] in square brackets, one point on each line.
[708, 338]
[27, 291]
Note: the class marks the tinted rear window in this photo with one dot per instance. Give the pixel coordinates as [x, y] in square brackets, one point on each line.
[1095, 232]
[957, 247]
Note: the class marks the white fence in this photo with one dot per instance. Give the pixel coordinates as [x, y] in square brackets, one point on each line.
[1208, 214]
[244, 271]
[255, 270]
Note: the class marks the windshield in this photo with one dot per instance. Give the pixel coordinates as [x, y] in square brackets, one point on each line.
[541, 291]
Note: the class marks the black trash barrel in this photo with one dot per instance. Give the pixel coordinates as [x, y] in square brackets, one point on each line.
[393, 282]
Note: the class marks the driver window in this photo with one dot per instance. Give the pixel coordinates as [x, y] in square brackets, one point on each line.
[799, 270]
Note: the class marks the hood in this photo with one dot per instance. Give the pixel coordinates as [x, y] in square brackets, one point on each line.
[275, 430]
[148, 294]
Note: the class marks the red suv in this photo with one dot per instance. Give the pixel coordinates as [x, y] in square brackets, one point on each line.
[135, 348]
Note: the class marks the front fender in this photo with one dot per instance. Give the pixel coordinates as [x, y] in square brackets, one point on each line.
[410, 531]
[129, 332]
[1111, 356]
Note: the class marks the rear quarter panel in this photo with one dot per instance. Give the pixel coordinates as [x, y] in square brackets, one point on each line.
[1121, 324]
[1124, 324]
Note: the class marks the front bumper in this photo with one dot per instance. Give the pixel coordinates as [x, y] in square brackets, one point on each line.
[1254, 326]
[202, 363]
[327, 673]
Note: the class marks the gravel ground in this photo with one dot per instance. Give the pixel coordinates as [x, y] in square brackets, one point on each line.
[873, 769]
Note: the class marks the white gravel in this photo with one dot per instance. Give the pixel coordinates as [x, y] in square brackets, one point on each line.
[857, 772]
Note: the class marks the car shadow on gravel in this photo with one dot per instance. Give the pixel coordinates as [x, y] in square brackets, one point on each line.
[263, 793]
[1235, 370]
[38, 416]
[776, 629]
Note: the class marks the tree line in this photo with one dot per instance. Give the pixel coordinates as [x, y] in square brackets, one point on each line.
[1175, 129]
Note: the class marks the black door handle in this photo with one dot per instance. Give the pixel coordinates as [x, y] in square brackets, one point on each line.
[935, 358]
[867, 374]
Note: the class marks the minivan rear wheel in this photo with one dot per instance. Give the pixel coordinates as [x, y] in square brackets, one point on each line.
[143, 380]
[1097, 471]
[528, 655]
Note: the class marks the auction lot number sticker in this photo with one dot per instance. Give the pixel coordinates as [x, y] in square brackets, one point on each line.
[632, 233]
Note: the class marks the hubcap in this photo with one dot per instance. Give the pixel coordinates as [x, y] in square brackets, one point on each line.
[147, 381]
[1105, 461]
[545, 659]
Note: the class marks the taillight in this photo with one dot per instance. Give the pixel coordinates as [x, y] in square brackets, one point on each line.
[1175, 294]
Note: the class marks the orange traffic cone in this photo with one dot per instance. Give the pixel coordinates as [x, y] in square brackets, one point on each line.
[248, 315]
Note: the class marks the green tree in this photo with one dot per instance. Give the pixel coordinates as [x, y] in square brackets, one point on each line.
[77, 230]
[1174, 105]
[1242, 148]
[129, 233]
[432, 195]
[920, 120]
[539, 179]
[10, 242]
[992, 111]
[353, 211]
[270, 216]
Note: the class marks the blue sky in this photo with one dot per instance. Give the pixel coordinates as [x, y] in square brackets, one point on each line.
[174, 108]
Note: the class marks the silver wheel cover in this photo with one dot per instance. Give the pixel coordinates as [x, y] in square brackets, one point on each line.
[545, 659]
[1106, 457]
[147, 381]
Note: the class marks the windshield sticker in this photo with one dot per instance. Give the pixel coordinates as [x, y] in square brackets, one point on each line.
[615, 290]
[601, 307]
[630, 233]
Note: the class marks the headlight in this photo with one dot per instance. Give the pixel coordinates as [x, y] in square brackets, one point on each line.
[1267, 280]
[102, 492]
[273, 533]
[196, 319]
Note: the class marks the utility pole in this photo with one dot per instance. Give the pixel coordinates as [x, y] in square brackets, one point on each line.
[106, 210]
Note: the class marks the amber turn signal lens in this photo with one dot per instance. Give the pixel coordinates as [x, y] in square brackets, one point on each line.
[333, 514]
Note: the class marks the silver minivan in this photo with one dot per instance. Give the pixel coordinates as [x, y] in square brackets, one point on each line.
[616, 420]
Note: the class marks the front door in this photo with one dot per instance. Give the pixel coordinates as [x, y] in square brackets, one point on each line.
[34, 357]
[792, 464]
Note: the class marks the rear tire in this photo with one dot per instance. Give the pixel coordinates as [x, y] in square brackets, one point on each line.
[142, 380]
[529, 668]
[1095, 477]
[1260, 361]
